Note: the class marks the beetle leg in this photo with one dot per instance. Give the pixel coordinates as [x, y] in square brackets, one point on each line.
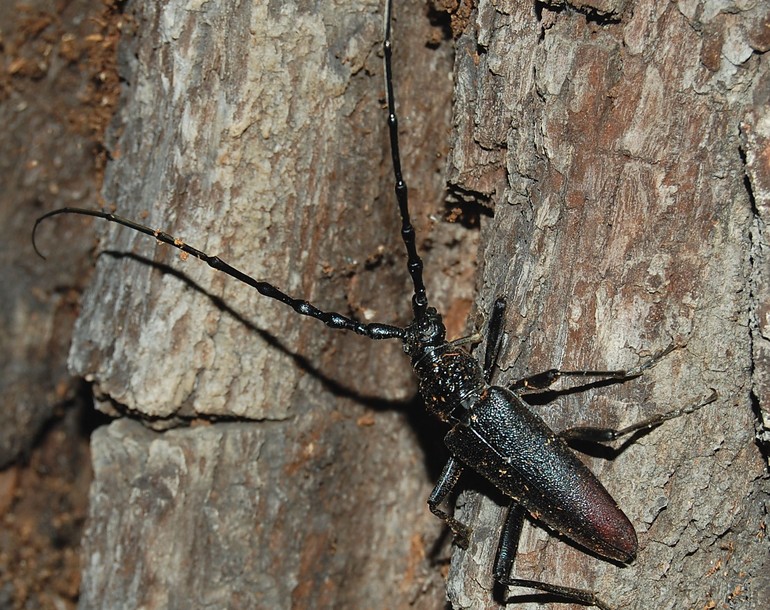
[494, 337]
[543, 380]
[593, 434]
[506, 553]
[509, 542]
[446, 482]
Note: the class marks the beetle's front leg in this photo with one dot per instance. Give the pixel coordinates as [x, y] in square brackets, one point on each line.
[446, 482]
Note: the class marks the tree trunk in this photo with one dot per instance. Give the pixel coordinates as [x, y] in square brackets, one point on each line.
[616, 154]
[256, 131]
[621, 149]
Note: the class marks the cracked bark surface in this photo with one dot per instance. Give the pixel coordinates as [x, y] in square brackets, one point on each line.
[263, 461]
[606, 139]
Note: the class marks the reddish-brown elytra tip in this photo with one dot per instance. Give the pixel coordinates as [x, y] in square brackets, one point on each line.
[614, 535]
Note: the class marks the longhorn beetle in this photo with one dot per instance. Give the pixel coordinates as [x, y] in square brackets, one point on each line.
[493, 432]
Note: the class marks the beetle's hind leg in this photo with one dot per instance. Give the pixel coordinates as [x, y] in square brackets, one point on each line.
[506, 554]
[599, 435]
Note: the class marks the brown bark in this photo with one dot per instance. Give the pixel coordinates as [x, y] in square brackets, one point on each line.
[58, 86]
[605, 139]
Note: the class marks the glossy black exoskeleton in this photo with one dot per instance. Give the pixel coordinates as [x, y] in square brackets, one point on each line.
[496, 434]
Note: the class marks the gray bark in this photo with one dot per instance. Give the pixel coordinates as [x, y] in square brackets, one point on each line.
[606, 139]
[256, 132]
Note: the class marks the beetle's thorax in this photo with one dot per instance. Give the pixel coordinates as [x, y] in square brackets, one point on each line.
[450, 378]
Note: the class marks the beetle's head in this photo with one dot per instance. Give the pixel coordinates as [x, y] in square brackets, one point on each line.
[427, 331]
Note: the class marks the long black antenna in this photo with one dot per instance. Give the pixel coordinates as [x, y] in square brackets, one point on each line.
[330, 318]
[414, 262]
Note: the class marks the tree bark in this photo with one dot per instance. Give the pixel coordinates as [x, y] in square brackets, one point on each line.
[58, 86]
[617, 155]
[621, 149]
[292, 472]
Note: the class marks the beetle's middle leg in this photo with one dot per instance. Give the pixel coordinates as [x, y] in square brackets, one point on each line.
[599, 435]
[543, 380]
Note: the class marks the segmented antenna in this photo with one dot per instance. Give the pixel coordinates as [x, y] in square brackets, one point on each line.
[330, 318]
[414, 262]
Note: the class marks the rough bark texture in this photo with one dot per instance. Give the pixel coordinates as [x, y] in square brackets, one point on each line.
[58, 87]
[255, 131]
[628, 213]
[619, 150]
[52, 108]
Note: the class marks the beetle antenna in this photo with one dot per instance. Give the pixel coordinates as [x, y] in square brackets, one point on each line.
[330, 318]
[414, 262]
